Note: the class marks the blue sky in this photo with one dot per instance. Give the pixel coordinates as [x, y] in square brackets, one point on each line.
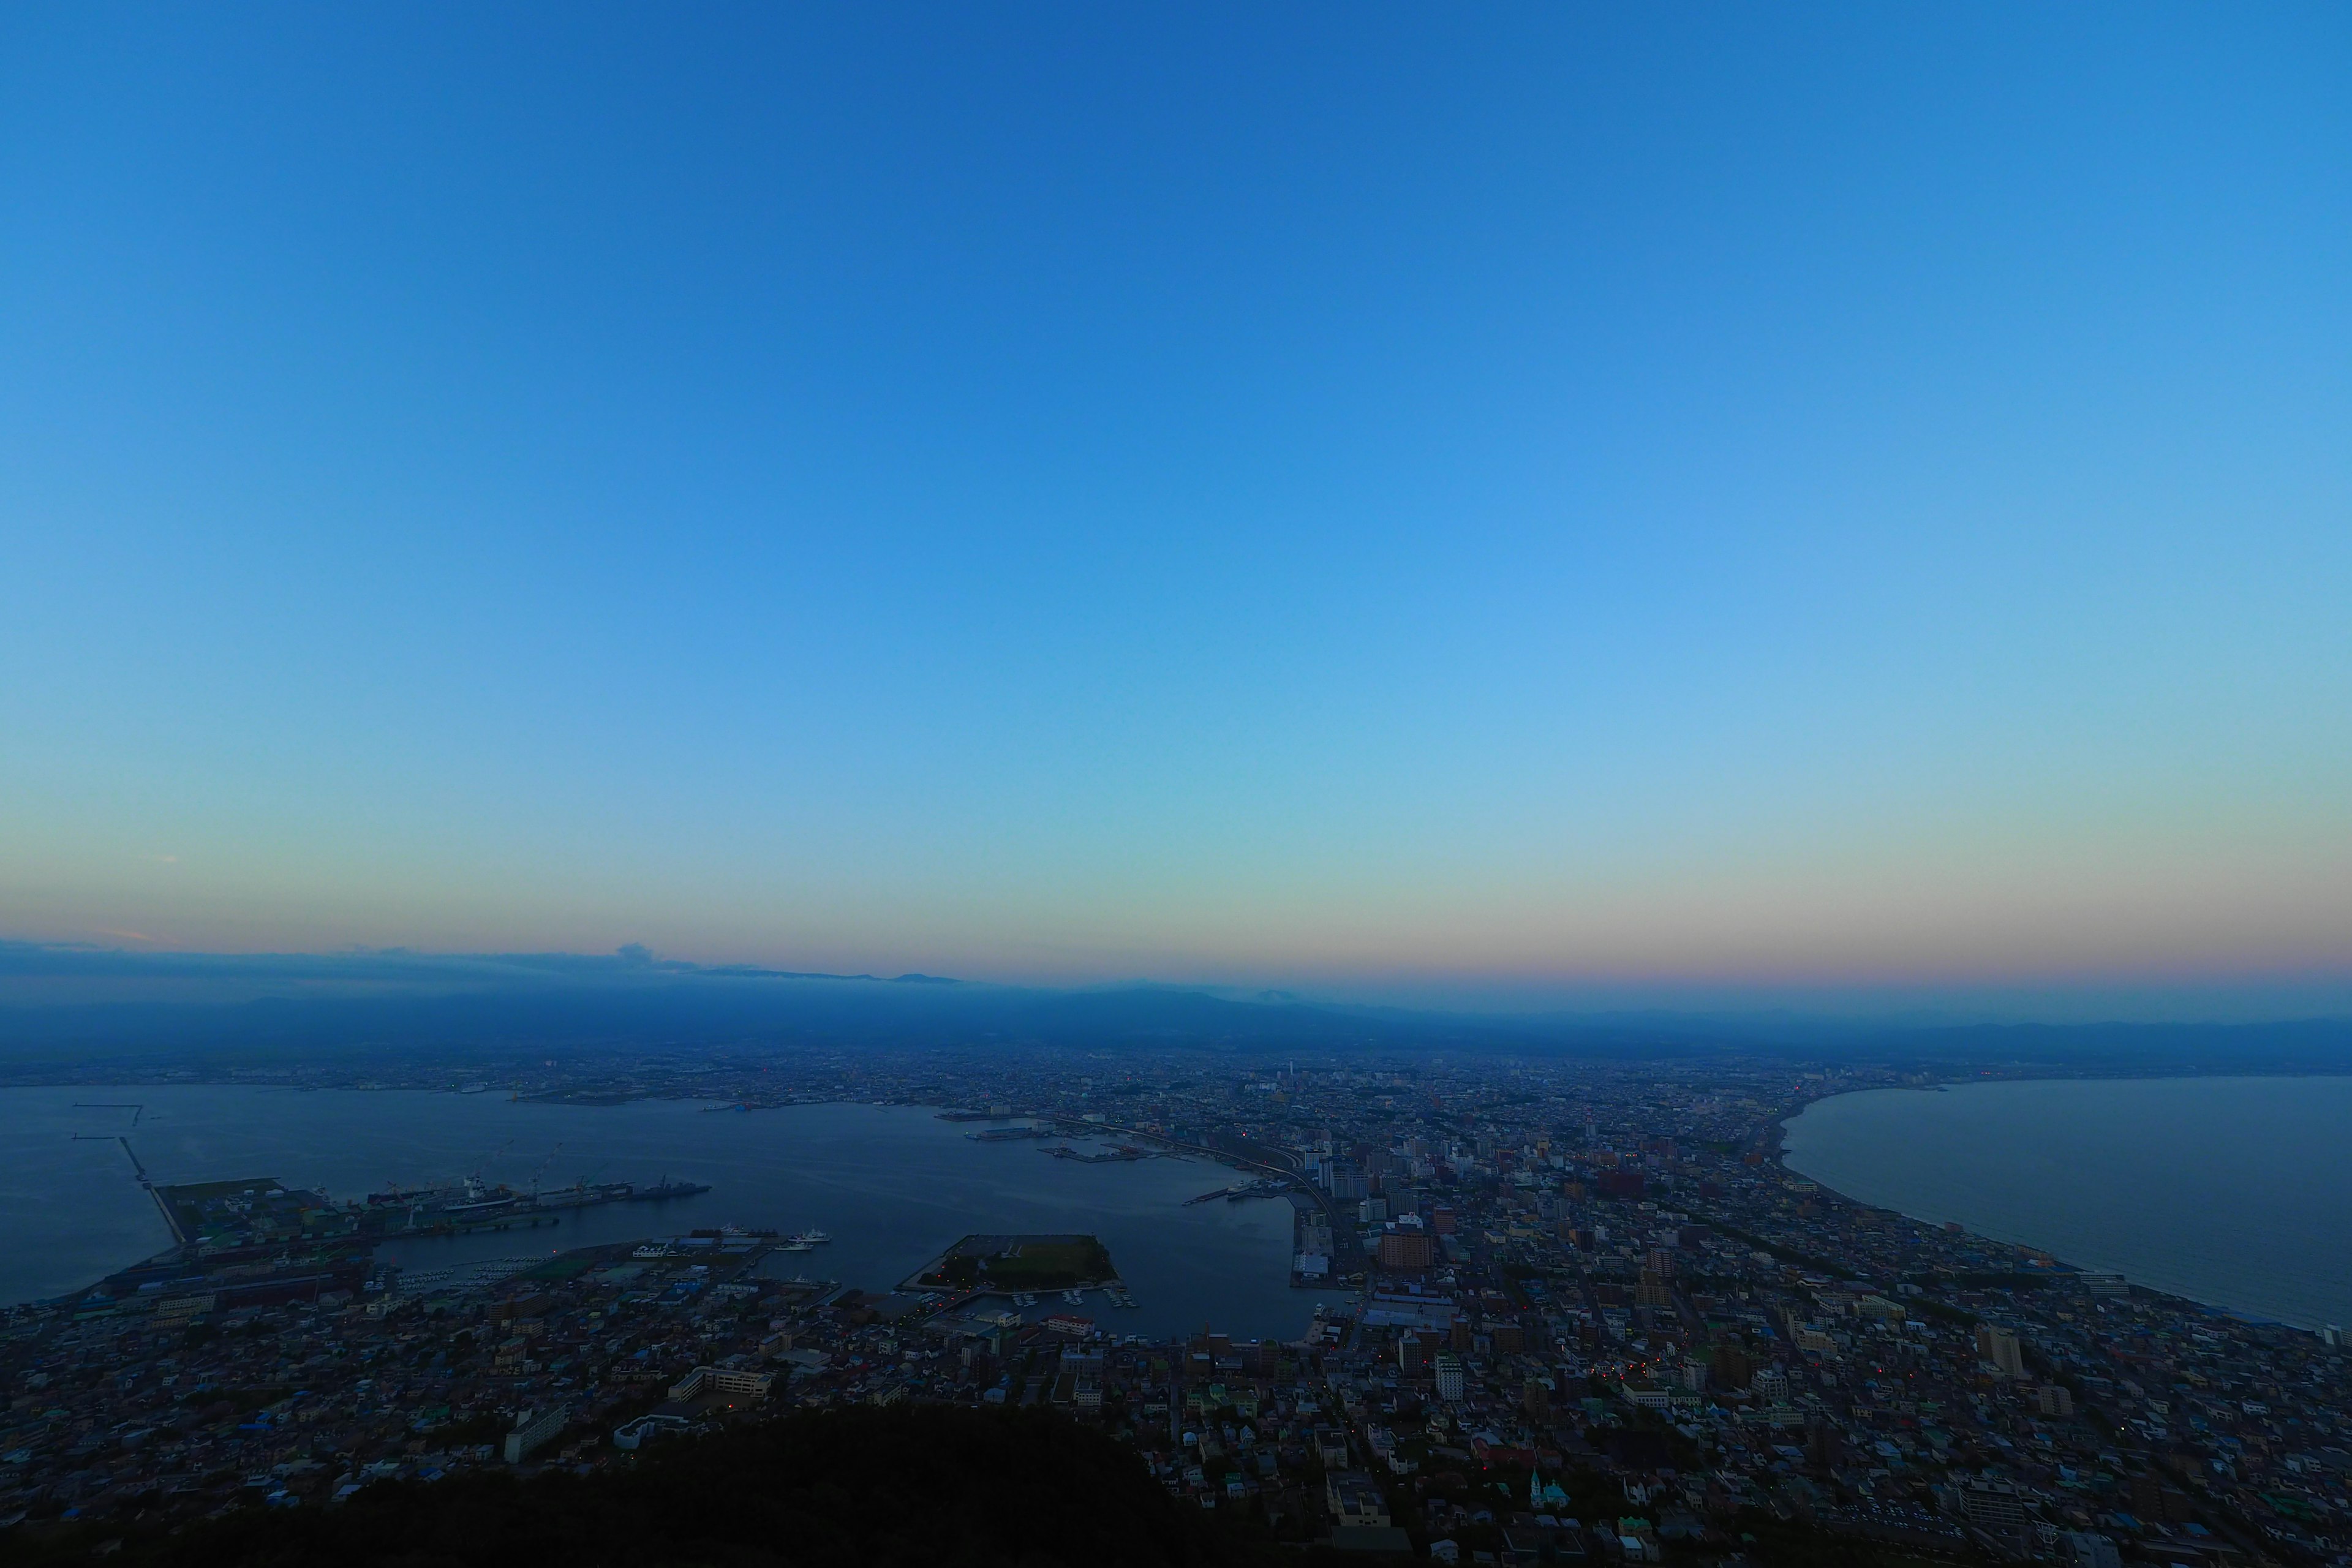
[1523, 504]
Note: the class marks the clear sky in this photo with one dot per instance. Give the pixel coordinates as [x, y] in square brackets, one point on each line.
[1506, 502]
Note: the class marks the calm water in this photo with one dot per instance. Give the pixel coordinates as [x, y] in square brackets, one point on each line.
[2234, 1192]
[893, 1186]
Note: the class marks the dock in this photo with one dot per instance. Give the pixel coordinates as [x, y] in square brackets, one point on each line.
[1267, 1188]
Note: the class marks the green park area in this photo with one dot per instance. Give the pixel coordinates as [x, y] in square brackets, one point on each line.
[1018, 1263]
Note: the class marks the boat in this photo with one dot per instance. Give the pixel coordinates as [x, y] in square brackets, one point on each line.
[584, 1194]
[796, 1245]
[398, 1196]
[813, 1236]
[471, 1199]
[666, 1188]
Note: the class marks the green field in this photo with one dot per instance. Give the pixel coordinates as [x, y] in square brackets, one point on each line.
[1018, 1263]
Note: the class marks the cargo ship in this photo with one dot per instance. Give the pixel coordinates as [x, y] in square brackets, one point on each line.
[474, 1201]
[582, 1195]
[470, 1199]
[666, 1188]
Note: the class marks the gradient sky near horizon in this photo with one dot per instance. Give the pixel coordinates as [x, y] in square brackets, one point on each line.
[1507, 503]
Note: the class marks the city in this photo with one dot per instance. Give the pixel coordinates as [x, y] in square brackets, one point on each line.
[1589, 1315]
[1218, 786]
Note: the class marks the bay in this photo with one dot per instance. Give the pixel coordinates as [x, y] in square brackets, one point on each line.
[2234, 1192]
[893, 1184]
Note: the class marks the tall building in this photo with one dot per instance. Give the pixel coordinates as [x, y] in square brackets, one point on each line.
[2085, 1550]
[1824, 1448]
[531, 1430]
[1992, 1505]
[1654, 1291]
[1407, 1249]
[1998, 1346]
[1449, 1376]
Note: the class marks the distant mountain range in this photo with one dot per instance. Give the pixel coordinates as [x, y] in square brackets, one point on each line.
[105, 1003]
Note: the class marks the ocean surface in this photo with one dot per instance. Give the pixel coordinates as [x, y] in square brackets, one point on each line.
[2233, 1192]
[893, 1184]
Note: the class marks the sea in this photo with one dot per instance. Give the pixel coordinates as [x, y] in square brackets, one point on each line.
[2233, 1192]
[893, 1186]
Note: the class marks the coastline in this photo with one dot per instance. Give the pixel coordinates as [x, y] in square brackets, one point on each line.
[2045, 1240]
[82, 1220]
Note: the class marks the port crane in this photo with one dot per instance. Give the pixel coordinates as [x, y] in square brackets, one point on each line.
[540, 1168]
[484, 1162]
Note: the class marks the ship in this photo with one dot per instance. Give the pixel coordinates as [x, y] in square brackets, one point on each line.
[472, 1199]
[398, 1196]
[581, 1195]
[813, 1236]
[475, 1201]
[666, 1188]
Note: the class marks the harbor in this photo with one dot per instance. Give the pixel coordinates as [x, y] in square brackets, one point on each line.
[891, 1186]
[1117, 1154]
[1241, 1192]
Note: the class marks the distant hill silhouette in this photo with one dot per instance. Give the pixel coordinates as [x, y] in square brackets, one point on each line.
[88, 1004]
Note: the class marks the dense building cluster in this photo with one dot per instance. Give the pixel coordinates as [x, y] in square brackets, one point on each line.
[1589, 1316]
